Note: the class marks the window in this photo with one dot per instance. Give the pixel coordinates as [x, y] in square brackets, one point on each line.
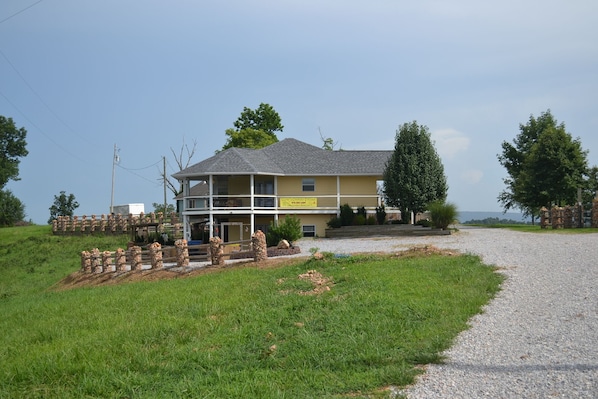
[309, 184]
[309, 230]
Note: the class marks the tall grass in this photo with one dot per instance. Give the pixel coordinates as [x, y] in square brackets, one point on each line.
[241, 332]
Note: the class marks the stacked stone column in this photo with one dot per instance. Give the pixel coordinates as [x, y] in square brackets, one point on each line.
[260, 248]
[216, 251]
[182, 253]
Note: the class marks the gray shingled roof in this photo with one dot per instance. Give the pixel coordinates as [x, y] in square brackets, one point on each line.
[290, 157]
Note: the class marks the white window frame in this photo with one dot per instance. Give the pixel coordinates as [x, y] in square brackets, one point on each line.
[308, 182]
[311, 226]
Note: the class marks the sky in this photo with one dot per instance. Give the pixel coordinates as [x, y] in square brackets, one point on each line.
[84, 77]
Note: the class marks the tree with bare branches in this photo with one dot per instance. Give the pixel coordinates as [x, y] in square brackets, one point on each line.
[182, 158]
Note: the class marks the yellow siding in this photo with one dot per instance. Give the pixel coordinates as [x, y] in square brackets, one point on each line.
[292, 185]
[318, 220]
[358, 185]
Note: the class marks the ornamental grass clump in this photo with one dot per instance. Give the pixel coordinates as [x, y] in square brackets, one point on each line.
[442, 214]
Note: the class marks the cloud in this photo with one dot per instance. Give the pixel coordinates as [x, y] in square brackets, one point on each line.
[472, 175]
[449, 142]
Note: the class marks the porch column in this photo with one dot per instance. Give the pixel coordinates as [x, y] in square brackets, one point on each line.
[252, 199]
[276, 199]
[338, 196]
[186, 219]
[211, 204]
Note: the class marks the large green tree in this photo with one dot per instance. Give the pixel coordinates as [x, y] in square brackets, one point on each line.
[12, 147]
[12, 209]
[64, 205]
[254, 128]
[545, 166]
[414, 174]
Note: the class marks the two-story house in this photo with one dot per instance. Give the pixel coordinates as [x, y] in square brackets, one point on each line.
[240, 190]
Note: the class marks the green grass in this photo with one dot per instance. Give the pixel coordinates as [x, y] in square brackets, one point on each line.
[240, 332]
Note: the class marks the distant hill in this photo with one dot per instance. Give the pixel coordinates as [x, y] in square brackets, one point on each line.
[466, 216]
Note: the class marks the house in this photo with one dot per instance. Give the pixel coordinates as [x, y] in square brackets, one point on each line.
[240, 190]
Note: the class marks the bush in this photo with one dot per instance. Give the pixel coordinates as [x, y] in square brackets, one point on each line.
[334, 223]
[347, 215]
[371, 220]
[288, 229]
[442, 214]
[359, 220]
[380, 214]
[423, 223]
[361, 211]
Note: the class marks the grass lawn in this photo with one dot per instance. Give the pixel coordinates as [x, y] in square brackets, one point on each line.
[337, 328]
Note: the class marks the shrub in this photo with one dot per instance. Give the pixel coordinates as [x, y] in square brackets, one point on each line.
[380, 214]
[347, 215]
[334, 223]
[288, 229]
[371, 220]
[361, 211]
[442, 213]
[359, 220]
[424, 223]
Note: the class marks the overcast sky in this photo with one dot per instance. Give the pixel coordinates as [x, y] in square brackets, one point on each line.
[82, 76]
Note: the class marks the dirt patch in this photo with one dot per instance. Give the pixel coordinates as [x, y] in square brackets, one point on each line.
[426, 250]
[80, 279]
[319, 281]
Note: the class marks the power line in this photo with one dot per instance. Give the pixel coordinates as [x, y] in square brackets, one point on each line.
[41, 99]
[40, 130]
[18, 12]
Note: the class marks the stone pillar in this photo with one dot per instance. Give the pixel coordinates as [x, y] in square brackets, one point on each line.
[595, 212]
[258, 243]
[86, 261]
[96, 261]
[135, 257]
[54, 226]
[182, 253]
[74, 223]
[83, 223]
[544, 217]
[103, 223]
[568, 217]
[557, 217]
[107, 262]
[155, 250]
[121, 260]
[216, 251]
[94, 224]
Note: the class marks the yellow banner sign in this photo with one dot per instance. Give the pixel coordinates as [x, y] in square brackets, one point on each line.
[307, 202]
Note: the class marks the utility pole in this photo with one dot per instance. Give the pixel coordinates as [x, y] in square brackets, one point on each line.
[115, 160]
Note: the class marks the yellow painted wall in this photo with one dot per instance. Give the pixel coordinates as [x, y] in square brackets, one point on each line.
[292, 185]
[318, 220]
[362, 185]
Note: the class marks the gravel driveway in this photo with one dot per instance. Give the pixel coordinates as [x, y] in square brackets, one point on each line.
[537, 339]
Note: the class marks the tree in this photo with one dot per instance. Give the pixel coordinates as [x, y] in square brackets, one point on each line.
[182, 159]
[12, 209]
[254, 128]
[159, 208]
[414, 174]
[545, 166]
[64, 205]
[12, 147]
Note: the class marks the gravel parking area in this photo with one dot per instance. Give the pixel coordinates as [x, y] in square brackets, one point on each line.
[537, 339]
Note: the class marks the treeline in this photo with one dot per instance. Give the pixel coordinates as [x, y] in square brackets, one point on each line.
[492, 221]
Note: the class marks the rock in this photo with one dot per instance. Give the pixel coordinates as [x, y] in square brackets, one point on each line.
[284, 244]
